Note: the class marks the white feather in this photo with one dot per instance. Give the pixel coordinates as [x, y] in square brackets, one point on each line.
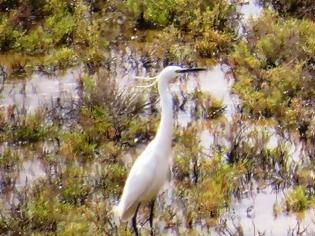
[149, 172]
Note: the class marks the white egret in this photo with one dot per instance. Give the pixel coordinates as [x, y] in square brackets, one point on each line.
[150, 170]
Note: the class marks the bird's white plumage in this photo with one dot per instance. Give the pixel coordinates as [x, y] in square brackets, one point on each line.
[149, 172]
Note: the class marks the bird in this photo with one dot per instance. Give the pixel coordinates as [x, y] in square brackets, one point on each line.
[150, 170]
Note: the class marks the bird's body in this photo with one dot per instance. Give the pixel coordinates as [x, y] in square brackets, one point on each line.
[150, 170]
[151, 174]
[152, 166]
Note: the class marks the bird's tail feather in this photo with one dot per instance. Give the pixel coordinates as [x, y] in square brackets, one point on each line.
[124, 214]
[116, 214]
[116, 210]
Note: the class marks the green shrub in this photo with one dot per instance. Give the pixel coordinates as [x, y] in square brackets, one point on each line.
[61, 58]
[97, 123]
[209, 23]
[9, 160]
[213, 192]
[274, 71]
[76, 145]
[113, 179]
[56, 33]
[43, 212]
[75, 188]
[296, 200]
[7, 35]
[30, 128]
[296, 8]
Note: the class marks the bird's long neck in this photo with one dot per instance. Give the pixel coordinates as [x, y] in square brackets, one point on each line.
[165, 130]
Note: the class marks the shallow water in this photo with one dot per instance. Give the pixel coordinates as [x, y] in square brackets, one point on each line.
[40, 91]
[253, 211]
[256, 214]
[30, 171]
[250, 10]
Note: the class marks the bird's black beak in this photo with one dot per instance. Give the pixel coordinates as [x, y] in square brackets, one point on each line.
[187, 70]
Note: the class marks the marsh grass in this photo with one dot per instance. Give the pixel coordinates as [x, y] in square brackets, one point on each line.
[76, 145]
[55, 37]
[297, 200]
[86, 170]
[210, 24]
[274, 71]
[298, 9]
[60, 34]
[27, 128]
[9, 160]
[205, 182]
[10, 163]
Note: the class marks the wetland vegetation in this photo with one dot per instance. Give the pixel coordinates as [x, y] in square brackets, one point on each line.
[63, 167]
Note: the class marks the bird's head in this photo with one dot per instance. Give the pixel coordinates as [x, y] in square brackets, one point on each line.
[170, 73]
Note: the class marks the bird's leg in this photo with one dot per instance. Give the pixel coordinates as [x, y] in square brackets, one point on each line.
[151, 215]
[134, 221]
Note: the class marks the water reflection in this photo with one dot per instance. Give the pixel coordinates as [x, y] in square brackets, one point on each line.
[250, 9]
[256, 215]
[30, 171]
[217, 82]
[40, 90]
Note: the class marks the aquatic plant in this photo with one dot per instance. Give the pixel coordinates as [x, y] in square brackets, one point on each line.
[296, 200]
[112, 114]
[42, 210]
[8, 160]
[274, 71]
[28, 128]
[97, 123]
[249, 145]
[60, 58]
[10, 163]
[75, 187]
[204, 182]
[110, 152]
[59, 34]
[207, 106]
[296, 8]
[209, 23]
[56, 33]
[62, 205]
[7, 33]
[213, 192]
[305, 177]
[104, 91]
[151, 12]
[186, 167]
[76, 145]
[112, 179]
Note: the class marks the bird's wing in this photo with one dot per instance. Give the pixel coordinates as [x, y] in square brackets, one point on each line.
[138, 182]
